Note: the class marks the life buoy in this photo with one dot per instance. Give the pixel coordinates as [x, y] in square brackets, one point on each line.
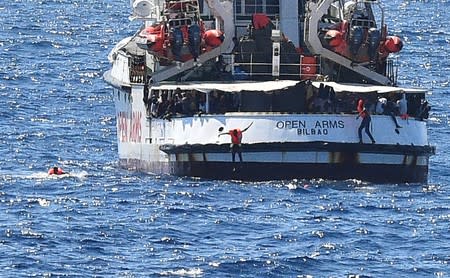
[308, 67]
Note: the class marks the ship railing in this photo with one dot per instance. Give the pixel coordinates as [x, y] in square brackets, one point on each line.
[137, 70]
[177, 22]
[308, 67]
[366, 23]
[392, 70]
[188, 7]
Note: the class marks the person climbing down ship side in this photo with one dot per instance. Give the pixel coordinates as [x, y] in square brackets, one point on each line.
[236, 139]
[392, 110]
[365, 123]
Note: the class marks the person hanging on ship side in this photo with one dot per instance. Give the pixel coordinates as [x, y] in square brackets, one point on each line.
[365, 123]
[236, 140]
[392, 110]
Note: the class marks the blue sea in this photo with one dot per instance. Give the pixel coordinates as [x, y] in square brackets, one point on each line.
[104, 221]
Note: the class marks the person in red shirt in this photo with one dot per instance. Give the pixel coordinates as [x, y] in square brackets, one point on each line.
[365, 123]
[56, 171]
[236, 140]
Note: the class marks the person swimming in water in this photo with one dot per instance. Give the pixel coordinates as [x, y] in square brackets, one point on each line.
[56, 171]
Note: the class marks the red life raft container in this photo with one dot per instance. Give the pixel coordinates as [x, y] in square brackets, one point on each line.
[308, 67]
[155, 36]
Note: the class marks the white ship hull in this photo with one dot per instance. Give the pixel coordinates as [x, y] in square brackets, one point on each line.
[277, 146]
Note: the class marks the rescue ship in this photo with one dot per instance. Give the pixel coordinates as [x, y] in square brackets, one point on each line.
[287, 75]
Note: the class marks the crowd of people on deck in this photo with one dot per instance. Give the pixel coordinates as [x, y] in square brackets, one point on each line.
[390, 107]
[400, 105]
[165, 104]
[325, 100]
[322, 100]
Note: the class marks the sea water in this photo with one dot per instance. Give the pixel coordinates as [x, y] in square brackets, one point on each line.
[103, 221]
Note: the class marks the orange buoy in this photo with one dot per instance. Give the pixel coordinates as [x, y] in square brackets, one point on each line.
[393, 44]
[213, 37]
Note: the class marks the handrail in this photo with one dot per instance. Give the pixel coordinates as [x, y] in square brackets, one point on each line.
[286, 69]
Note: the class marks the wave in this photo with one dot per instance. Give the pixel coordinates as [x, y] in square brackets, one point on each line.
[43, 176]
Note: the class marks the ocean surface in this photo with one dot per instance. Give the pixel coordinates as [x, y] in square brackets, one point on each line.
[103, 221]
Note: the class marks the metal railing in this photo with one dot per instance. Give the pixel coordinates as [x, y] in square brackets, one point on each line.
[392, 71]
[252, 66]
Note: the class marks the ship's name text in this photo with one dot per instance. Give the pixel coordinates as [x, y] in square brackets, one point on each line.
[317, 127]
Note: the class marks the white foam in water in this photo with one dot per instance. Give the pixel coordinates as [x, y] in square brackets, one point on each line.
[43, 202]
[44, 175]
[194, 272]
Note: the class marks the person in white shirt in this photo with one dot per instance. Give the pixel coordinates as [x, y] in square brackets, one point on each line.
[403, 106]
[380, 105]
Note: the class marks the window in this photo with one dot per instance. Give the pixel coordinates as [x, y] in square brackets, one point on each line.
[272, 7]
[249, 7]
[238, 7]
[253, 6]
